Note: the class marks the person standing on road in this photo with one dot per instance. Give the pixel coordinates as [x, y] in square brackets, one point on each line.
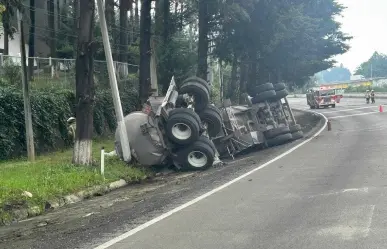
[372, 96]
[367, 96]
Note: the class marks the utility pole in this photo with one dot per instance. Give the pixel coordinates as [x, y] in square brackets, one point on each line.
[113, 84]
[26, 94]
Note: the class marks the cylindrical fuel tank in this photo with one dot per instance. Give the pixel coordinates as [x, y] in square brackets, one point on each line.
[145, 146]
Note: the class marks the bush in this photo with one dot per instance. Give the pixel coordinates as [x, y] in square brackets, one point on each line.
[11, 72]
[50, 110]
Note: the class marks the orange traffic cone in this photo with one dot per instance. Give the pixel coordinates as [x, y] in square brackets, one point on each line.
[380, 108]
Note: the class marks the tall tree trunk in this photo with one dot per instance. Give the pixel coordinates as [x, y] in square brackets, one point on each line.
[166, 14]
[111, 25]
[51, 26]
[84, 85]
[233, 82]
[136, 19]
[124, 7]
[59, 19]
[145, 53]
[243, 77]
[167, 71]
[181, 15]
[6, 28]
[76, 23]
[31, 42]
[6, 42]
[132, 25]
[203, 40]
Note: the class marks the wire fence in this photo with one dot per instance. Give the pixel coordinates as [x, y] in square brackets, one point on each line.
[60, 73]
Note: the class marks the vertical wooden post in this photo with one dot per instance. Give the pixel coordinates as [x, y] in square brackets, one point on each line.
[26, 94]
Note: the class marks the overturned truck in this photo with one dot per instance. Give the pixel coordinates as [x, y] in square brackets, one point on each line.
[185, 130]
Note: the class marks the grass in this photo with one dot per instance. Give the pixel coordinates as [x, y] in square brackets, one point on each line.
[53, 175]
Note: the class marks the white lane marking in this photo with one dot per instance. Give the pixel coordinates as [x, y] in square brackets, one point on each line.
[369, 222]
[344, 110]
[355, 190]
[351, 115]
[190, 203]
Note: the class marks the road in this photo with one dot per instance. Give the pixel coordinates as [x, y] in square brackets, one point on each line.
[328, 193]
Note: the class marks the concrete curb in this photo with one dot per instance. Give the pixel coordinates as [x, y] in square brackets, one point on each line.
[24, 213]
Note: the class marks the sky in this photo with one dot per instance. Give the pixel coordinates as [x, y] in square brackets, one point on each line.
[366, 21]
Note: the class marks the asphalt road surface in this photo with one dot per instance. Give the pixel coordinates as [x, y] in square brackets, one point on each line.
[329, 193]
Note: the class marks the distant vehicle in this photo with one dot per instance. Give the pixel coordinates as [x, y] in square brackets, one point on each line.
[324, 98]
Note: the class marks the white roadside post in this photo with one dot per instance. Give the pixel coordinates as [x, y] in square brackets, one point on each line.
[113, 84]
[103, 162]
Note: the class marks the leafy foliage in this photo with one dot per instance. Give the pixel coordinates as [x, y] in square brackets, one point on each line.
[335, 74]
[376, 66]
[50, 110]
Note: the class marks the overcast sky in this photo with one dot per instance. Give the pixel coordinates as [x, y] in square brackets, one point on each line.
[366, 21]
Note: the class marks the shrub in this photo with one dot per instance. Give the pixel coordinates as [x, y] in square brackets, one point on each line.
[50, 110]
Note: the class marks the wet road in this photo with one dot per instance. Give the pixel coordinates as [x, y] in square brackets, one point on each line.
[329, 193]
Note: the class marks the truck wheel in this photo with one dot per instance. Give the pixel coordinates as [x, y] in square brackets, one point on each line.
[198, 80]
[198, 156]
[295, 128]
[199, 92]
[334, 106]
[279, 87]
[281, 139]
[182, 128]
[263, 88]
[212, 116]
[263, 96]
[276, 132]
[297, 135]
[190, 111]
[280, 95]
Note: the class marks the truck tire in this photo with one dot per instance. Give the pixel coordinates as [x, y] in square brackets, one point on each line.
[279, 86]
[297, 135]
[198, 80]
[199, 92]
[281, 94]
[280, 139]
[263, 96]
[295, 128]
[190, 111]
[263, 88]
[212, 116]
[276, 132]
[182, 127]
[198, 156]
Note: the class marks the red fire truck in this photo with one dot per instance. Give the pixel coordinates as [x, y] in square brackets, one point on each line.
[324, 97]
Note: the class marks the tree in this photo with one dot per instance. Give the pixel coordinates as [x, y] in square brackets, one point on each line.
[84, 84]
[31, 41]
[203, 38]
[51, 27]
[124, 8]
[10, 10]
[376, 66]
[145, 50]
[336, 74]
